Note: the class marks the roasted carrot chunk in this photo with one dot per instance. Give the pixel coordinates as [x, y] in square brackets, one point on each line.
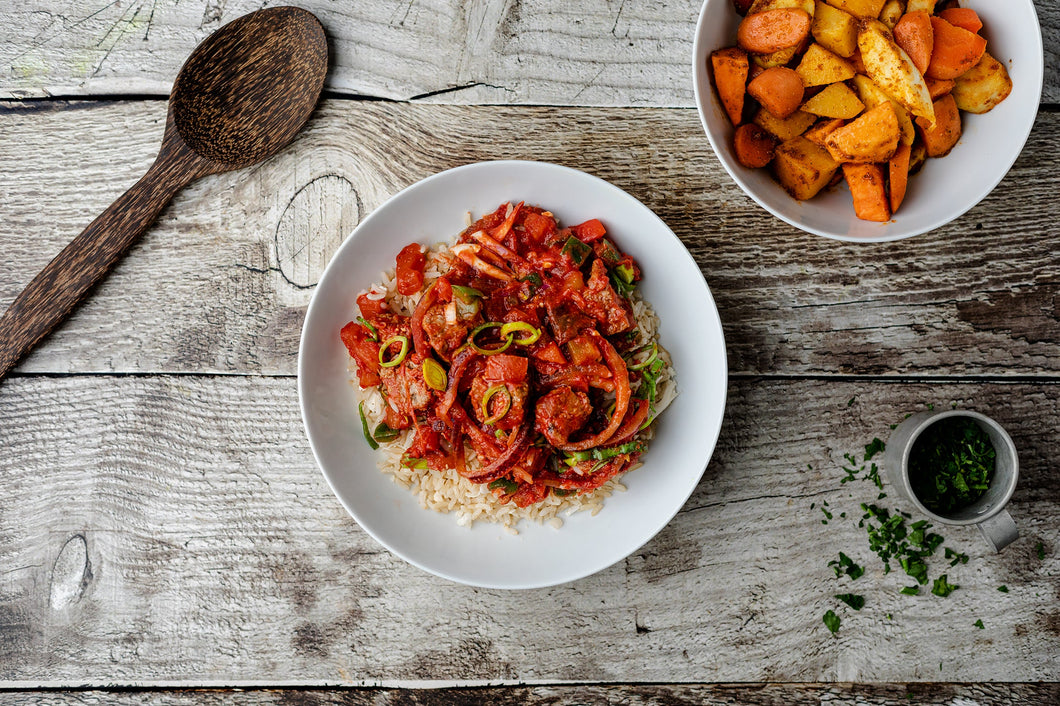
[730, 78]
[940, 138]
[938, 87]
[779, 90]
[963, 17]
[955, 50]
[754, 146]
[773, 30]
[914, 34]
[898, 175]
[867, 189]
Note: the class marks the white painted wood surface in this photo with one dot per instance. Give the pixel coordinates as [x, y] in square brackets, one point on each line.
[173, 530]
[228, 270]
[555, 52]
[163, 523]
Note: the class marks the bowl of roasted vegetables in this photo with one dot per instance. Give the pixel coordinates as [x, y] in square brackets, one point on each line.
[867, 120]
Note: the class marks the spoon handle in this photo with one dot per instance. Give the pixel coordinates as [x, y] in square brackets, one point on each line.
[65, 281]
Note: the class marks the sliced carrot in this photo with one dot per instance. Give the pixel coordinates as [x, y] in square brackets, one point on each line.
[773, 30]
[938, 87]
[754, 146]
[955, 51]
[898, 175]
[730, 79]
[867, 189]
[779, 90]
[940, 138]
[963, 17]
[914, 34]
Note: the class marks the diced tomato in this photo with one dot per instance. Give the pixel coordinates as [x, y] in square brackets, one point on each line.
[551, 353]
[371, 309]
[589, 231]
[506, 368]
[582, 350]
[364, 351]
[410, 264]
[537, 227]
[444, 289]
[426, 441]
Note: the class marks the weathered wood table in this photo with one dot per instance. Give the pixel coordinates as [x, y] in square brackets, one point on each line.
[166, 537]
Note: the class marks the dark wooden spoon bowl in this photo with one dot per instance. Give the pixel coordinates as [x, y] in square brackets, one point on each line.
[240, 97]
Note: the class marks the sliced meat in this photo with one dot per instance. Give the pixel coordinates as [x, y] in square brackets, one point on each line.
[604, 304]
[446, 331]
[560, 413]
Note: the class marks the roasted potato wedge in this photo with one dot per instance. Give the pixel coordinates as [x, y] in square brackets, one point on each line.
[859, 8]
[835, 30]
[803, 168]
[820, 67]
[892, 70]
[983, 86]
[835, 101]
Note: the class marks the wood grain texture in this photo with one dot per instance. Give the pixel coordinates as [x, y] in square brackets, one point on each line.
[632, 695]
[220, 284]
[174, 531]
[555, 52]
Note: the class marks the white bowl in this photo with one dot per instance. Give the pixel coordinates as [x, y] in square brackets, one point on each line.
[485, 555]
[945, 188]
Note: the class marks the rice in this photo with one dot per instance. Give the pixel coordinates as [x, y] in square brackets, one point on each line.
[449, 492]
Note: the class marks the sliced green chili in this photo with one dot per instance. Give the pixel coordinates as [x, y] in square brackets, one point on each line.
[488, 351]
[368, 325]
[384, 434]
[466, 292]
[397, 359]
[434, 374]
[364, 427]
[647, 361]
[521, 326]
[487, 418]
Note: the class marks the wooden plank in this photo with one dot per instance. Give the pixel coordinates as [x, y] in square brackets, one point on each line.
[633, 695]
[221, 283]
[553, 52]
[173, 531]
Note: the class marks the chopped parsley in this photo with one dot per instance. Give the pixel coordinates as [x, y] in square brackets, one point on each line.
[1039, 549]
[846, 565]
[831, 621]
[910, 590]
[951, 464]
[851, 599]
[1003, 589]
[875, 447]
[979, 624]
[942, 587]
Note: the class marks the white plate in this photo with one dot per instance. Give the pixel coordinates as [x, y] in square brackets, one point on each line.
[945, 188]
[485, 555]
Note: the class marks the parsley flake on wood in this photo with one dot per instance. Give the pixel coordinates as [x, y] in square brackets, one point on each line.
[942, 587]
[979, 624]
[831, 621]
[1003, 589]
[846, 565]
[852, 599]
[1039, 549]
[910, 590]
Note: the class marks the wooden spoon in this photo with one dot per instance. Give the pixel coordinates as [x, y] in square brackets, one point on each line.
[241, 96]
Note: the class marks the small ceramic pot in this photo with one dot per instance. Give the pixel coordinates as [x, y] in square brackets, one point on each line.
[988, 512]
